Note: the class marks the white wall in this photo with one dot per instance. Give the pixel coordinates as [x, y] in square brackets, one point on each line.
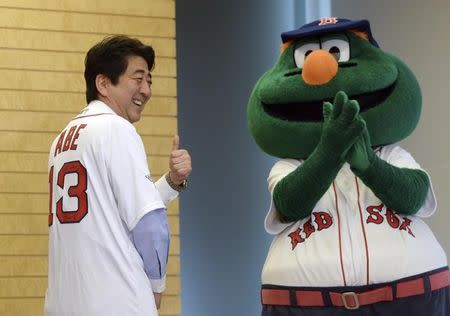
[417, 31]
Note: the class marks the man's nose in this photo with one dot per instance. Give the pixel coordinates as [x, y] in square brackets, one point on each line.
[145, 88]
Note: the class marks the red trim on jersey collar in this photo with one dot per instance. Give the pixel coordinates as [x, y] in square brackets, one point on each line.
[83, 116]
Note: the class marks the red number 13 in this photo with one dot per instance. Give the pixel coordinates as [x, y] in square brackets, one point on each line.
[78, 191]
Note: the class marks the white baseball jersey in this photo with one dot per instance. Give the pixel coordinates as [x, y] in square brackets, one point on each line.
[351, 238]
[100, 187]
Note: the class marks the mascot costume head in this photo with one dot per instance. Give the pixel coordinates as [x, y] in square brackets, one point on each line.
[347, 201]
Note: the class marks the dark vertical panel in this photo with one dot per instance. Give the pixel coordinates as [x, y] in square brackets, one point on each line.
[223, 47]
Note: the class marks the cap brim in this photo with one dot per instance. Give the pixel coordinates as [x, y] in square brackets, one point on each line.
[316, 29]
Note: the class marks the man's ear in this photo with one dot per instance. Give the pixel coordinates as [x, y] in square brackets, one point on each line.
[102, 83]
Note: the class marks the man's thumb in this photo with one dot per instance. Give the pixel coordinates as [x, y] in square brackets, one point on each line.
[176, 142]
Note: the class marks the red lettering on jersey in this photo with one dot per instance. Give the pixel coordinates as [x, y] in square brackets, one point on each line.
[66, 142]
[392, 219]
[405, 226]
[60, 143]
[74, 146]
[374, 217]
[323, 220]
[326, 21]
[308, 228]
[296, 238]
[68, 139]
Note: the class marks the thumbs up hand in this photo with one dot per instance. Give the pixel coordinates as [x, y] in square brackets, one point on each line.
[179, 162]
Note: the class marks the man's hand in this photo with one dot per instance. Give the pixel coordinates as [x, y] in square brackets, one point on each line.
[158, 297]
[179, 163]
[342, 125]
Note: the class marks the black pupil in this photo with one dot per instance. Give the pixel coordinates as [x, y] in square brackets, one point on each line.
[335, 51]
[308, 52]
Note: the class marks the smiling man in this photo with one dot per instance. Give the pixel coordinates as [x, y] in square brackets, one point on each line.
[108, 230]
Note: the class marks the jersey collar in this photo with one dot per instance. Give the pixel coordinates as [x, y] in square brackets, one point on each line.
[96, 107]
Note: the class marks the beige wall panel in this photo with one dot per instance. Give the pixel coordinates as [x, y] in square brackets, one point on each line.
[41, 142]
[23, 287]
[170, 306]
[161, 105]
[158, 8]
[68, 82]
[34, 245]
[29, 224]
[37, 162]
[66, 61]
[34, 306]
[22, 307]
[41, 81]
[41, 60]
[23, 182]
[43, 44]
[25, 203]
[26, 141]
[73, 102]
[29, 121]
[24, 266]
[86, 23]
[72, 42]
[161, 126]
[23, 245]
[12, 224]
[28, 182]
[37, 266]
[36, 286]
[158, 145]
[165, 66]
[55, 122]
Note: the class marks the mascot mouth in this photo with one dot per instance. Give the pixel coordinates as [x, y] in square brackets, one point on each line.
[313, 112]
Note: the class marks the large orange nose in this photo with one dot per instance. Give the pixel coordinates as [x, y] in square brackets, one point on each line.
[319, 68]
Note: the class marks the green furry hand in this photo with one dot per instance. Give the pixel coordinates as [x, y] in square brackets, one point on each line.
[342, 125]
[361, 154]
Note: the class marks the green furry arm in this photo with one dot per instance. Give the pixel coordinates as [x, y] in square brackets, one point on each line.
[401, 189]
[297, 193]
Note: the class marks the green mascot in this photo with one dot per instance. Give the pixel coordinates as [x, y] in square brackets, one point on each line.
[347, 201]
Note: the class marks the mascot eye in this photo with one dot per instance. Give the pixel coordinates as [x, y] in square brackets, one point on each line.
[301, 52]
[340, 49]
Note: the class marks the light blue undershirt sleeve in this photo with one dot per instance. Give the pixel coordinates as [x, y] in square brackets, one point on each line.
[151, 238]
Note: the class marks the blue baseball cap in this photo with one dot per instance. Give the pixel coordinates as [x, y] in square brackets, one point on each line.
[327, 25]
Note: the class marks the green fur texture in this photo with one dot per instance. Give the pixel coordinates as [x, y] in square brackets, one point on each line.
[373, 100]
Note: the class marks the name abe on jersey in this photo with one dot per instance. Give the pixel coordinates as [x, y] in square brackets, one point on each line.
[68, 142]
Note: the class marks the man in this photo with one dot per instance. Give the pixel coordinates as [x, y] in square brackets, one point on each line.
[108, 229]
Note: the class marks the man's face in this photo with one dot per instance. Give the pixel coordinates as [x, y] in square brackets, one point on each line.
[128, 97]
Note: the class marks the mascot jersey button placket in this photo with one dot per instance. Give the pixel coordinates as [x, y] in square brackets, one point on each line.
[354, 260]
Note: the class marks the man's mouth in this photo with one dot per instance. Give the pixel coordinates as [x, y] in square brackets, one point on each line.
[313, 111]
[138, 102]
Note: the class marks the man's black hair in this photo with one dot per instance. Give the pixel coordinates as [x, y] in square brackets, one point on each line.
[110, 58]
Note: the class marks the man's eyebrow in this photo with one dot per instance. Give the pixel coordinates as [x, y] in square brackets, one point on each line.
[141, 71]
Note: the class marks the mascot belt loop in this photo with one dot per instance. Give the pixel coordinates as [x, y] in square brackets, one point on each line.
[347, 201]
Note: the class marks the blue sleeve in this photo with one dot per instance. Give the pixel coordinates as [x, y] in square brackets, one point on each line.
[151, 238]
